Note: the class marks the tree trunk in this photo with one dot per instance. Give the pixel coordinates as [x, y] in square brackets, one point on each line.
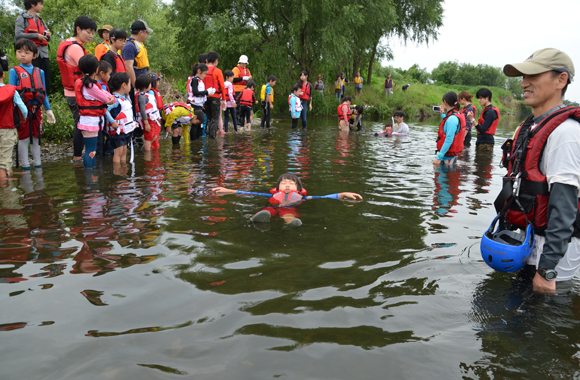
[371, 61]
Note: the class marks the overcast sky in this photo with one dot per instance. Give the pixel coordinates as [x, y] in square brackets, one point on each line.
[497, 32]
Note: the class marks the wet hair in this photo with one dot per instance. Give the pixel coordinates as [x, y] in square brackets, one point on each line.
[89, 65]
[483, 93]
[250, 84]
[303, 72]
[26, 44]
[347, 99]
[142, 82]
[31, 3]
[296, 88]
[555, 73]
[212, 56]
[202, 58]
[465, 95]
[228, 73]
[291, 177]
[451, 99]
[84, 22]
[399, 113]
[200, 116]
[104, 66]
[272, 78]
[117, 34]
[199, 67]
[359, 109]
[389, 124]
[117, 80]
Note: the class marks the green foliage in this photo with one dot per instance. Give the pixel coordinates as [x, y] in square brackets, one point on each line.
[64, 127]
[469, 75]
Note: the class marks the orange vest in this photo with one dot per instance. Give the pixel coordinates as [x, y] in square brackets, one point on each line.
[244, 72]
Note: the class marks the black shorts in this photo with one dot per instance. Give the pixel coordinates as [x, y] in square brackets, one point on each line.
[118, 141]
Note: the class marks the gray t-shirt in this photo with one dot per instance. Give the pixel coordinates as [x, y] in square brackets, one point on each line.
[402, 129]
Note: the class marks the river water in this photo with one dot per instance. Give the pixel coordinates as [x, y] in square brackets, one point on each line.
[145, 274]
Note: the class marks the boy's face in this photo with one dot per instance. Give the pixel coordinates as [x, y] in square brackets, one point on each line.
[398, 119]
[125, 88]
[483, 101]
[37, 7]
[118, 44]
[287, 185]
[105, 76]
[85, 35]
[272, 83]
[25, 56]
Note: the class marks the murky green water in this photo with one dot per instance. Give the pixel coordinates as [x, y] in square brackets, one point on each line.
[149, 276]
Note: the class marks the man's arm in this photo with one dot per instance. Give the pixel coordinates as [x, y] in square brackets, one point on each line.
[488, 119]
[130, 71]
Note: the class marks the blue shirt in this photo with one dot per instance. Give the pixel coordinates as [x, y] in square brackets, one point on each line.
[450, 130]
[15, 81]
[129, 53]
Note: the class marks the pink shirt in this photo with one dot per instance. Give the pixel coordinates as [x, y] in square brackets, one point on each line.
[72, 56]
[230, 101]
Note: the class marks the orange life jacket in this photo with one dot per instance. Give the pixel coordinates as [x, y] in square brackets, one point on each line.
[457, 145]
[209, 81]
[36, 27]
[68, 73]
[239, 86]
[491, 130]
[341, 112]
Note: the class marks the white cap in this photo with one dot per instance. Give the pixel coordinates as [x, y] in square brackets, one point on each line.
[243, 59]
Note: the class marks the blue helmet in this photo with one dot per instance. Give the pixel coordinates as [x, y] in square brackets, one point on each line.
[505, 250]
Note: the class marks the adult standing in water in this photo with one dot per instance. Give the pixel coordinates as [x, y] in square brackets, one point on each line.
[470, 112]
[487, 123]
[451, 131]
[241, 76]
[31, 26]
[546, 152]
[305, 96]
[68, 55]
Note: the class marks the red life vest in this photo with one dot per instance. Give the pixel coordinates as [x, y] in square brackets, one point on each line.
[209, 81]
[534, 193]
[36, 27]
[120, 66]
[169, 107]
[292, 198]
[88, 107]
[246, 97]
[457, 145]
[7, 109]
[68, 73]
[491, 130]
[341, 112]
[306, 91]
[466, 109]
[32, 92]
[158, 98]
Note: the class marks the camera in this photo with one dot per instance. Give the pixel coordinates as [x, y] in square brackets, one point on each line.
[436, 109]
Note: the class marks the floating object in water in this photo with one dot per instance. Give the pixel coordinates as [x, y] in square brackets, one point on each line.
[217, 283]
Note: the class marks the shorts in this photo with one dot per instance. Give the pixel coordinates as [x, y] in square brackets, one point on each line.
[118, 141]
[155, 131]
[358, 90]
[8, 138]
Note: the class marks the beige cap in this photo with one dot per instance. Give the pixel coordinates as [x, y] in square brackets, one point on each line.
[540, 62]
[107, 28]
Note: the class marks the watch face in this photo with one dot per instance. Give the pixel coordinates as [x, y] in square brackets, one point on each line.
[551, 274]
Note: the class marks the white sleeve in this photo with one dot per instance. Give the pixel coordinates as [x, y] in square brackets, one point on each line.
[561, 157]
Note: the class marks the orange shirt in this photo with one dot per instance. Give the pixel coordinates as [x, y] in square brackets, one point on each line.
[101, 49]
[239, 87]
[218, 77]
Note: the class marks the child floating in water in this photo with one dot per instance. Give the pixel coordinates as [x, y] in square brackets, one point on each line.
[284, 199]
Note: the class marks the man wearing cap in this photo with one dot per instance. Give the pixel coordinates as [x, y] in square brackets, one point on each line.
[134, 52]
[544, 165]
[104, 46]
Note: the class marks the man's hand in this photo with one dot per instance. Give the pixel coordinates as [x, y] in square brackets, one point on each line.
[42, 37]
[271, 106]
[347, 195]
[541, 285]
[48, 33]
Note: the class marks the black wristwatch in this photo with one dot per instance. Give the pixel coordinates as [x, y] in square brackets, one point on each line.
[548, 274]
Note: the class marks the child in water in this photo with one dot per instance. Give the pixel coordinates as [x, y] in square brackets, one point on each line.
[284, 199]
